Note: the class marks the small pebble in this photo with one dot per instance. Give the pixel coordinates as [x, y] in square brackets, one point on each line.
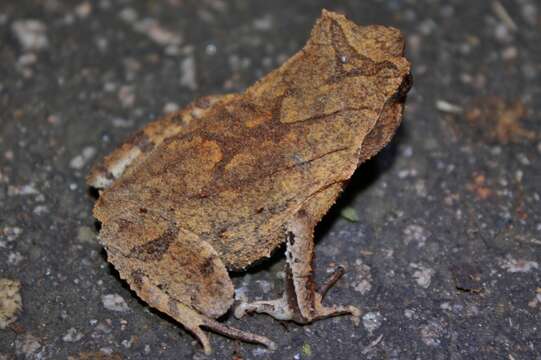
[422, 275]
[372, 321]
[114, 302]
[84, 9]
[72, 335]
[31, 34]
[27, 346]
[513, 265]
[170, 107]
[188, 77]
[431, 333]
[157, 33]
[415, 234]
[80, 160]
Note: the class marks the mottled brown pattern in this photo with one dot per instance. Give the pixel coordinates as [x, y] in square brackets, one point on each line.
[214, 186]
[207, 267]
[137, 276]
[154, 249]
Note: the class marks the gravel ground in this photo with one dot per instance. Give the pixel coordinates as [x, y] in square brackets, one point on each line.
[444, 248]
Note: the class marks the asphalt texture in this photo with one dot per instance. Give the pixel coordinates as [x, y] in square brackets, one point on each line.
[440, 233]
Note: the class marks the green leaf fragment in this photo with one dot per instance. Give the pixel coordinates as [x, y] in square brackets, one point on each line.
[307, 350]
[350, 214]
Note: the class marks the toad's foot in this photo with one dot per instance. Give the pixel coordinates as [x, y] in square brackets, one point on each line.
[287, 307]
[301, 302]
[234, 333]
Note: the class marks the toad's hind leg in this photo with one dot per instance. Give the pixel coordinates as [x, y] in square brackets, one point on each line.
[193, 320]
[175, 272]
[301, 302]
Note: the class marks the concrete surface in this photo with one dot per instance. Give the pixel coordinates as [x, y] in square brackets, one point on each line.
[444, 260]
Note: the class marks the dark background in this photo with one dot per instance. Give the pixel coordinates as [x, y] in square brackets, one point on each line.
[444, 260]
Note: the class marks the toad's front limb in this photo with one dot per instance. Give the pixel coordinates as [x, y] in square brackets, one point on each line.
[301, 302]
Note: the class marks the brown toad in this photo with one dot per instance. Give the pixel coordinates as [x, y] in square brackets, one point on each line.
[222, 183]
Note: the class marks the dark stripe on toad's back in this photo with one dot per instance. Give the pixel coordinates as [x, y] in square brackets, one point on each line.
[369, 67]
[154, 249]
[141, 141]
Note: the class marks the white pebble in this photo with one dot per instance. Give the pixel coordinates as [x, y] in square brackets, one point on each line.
[114, 302]
[423, 275]
[372, 321]
[31, 34]
[72, 335]
[188, 77]
[80, 161]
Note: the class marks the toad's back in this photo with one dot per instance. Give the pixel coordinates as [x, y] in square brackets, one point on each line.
[254, 159]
